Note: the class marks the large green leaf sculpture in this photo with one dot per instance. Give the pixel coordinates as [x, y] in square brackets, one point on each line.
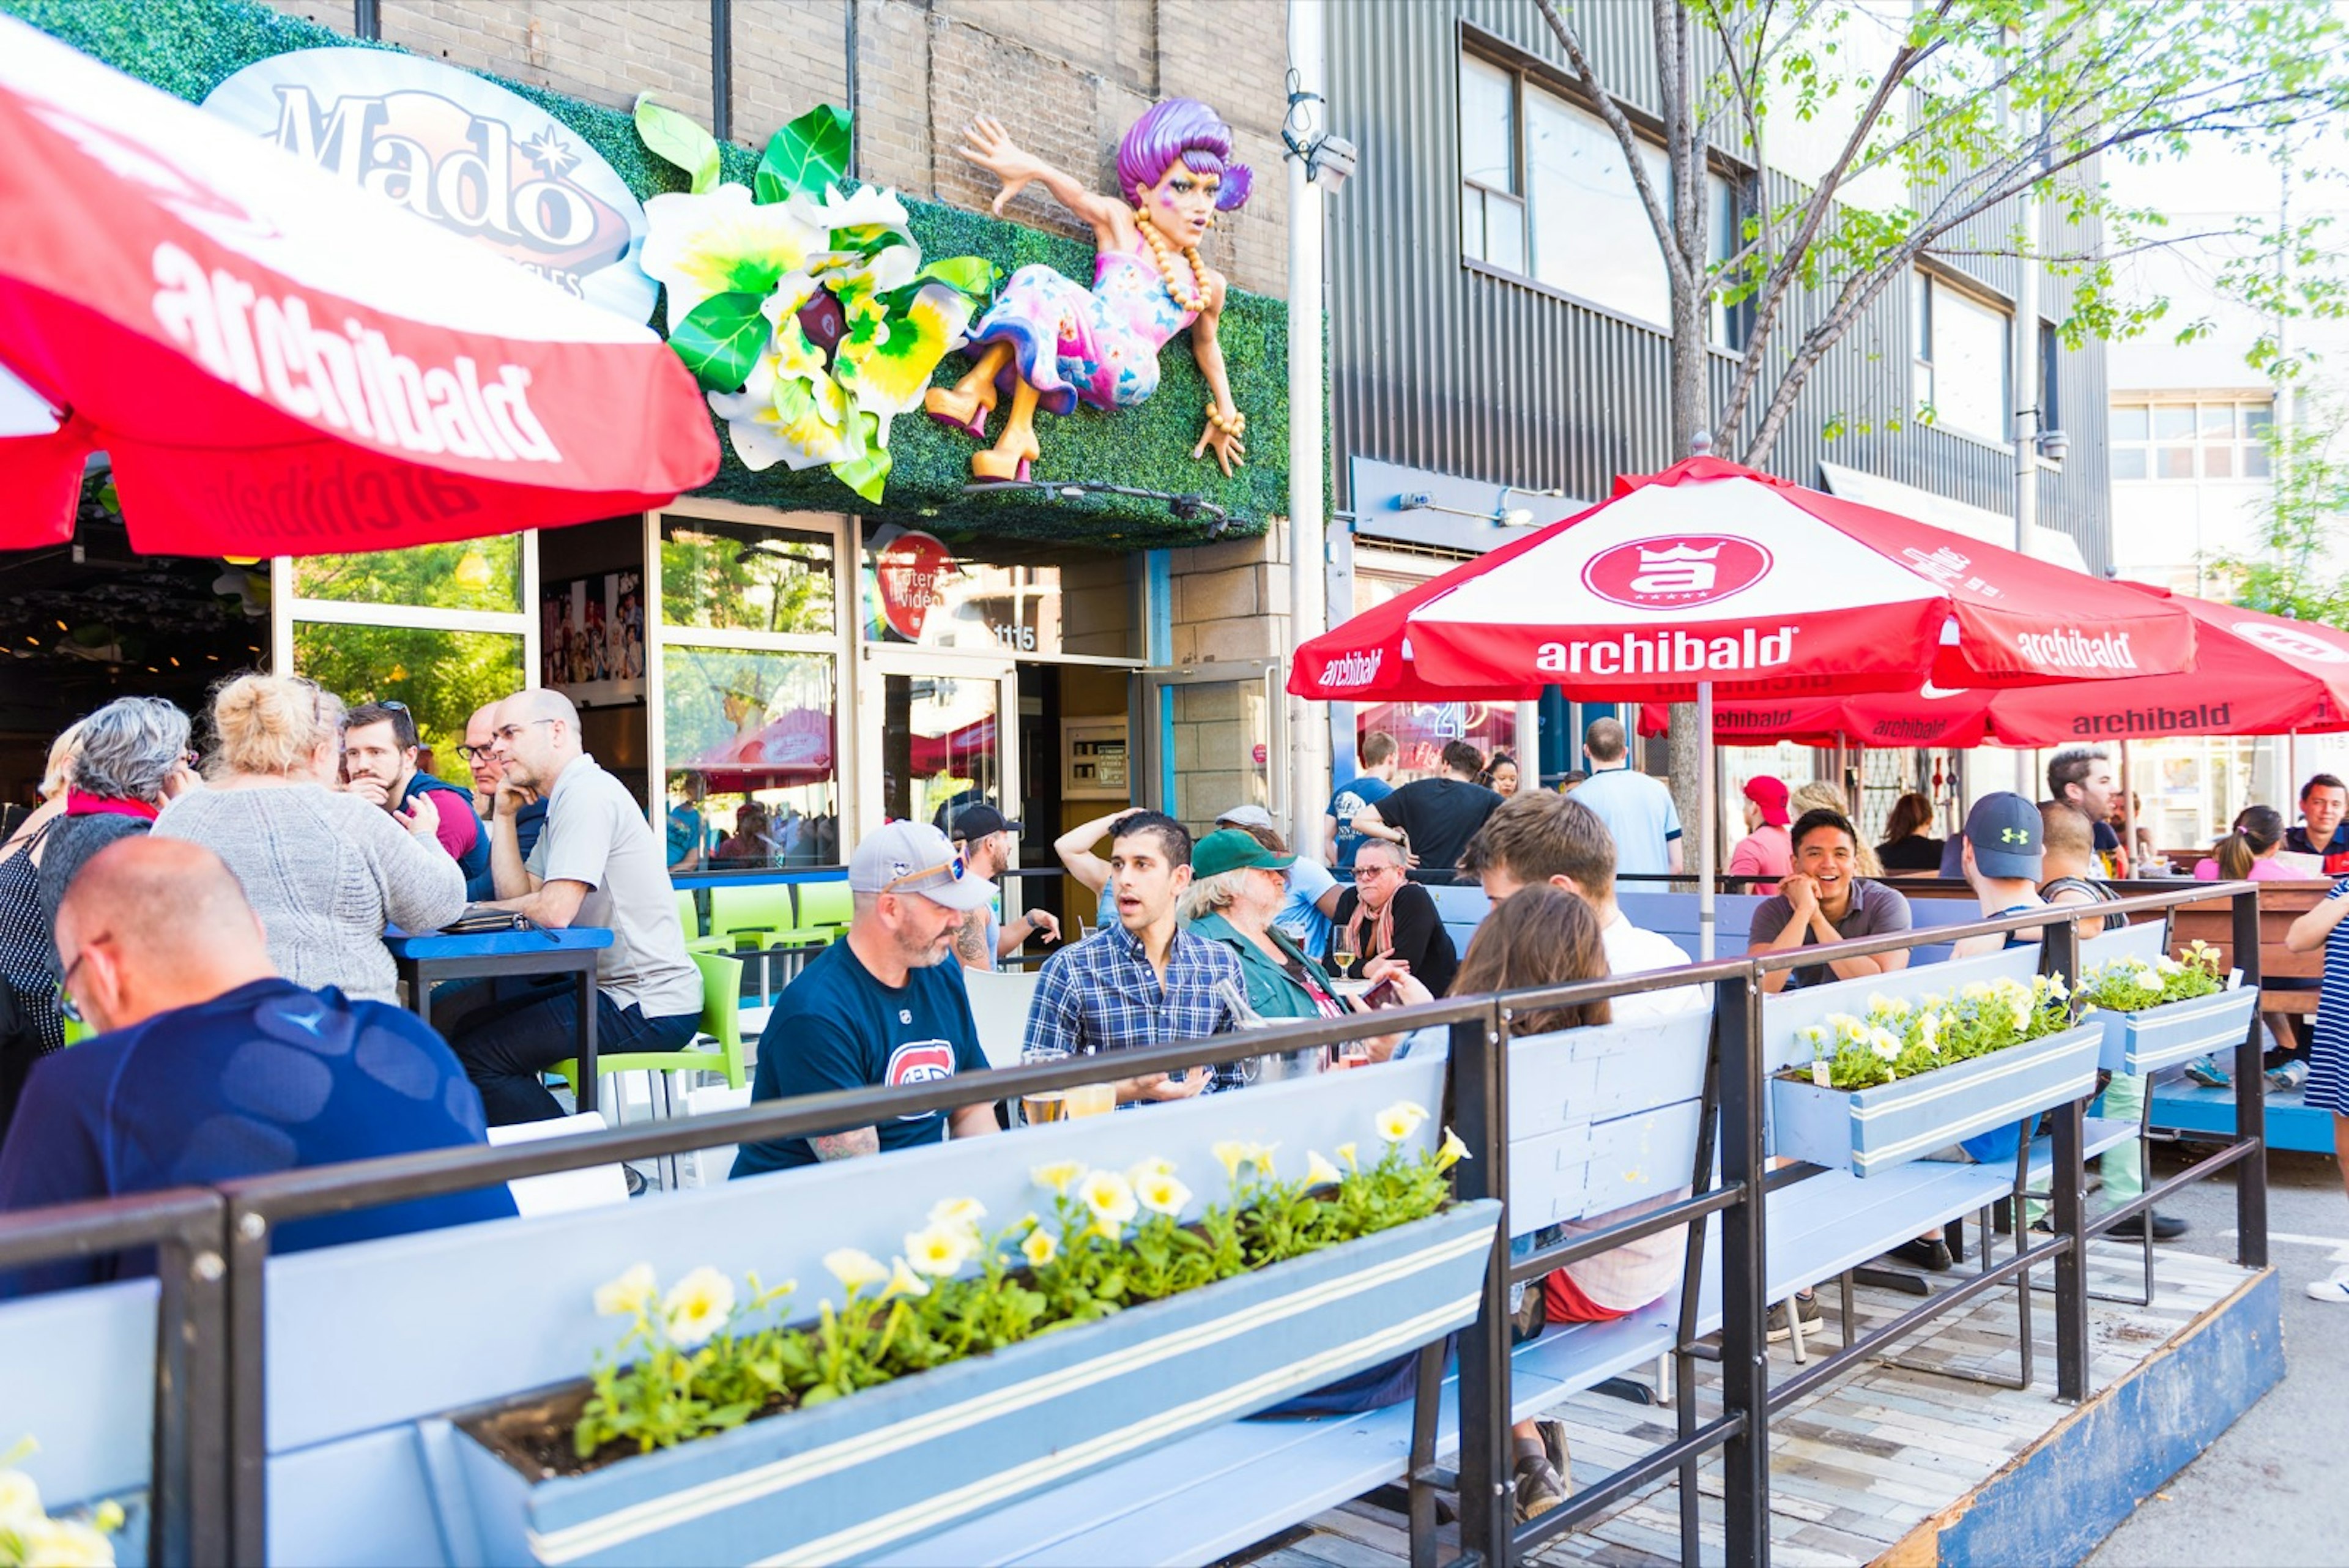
[805, 310]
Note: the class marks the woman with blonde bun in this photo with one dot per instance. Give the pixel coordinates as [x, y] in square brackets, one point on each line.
[325, 871]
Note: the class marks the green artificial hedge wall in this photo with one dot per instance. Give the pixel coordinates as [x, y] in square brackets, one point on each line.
[188, 46]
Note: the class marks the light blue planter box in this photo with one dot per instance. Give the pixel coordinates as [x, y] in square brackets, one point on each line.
[846, 1480]
[1870, 1130]
[2176, 1031]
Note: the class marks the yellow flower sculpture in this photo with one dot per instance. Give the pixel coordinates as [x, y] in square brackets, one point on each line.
[804, 310]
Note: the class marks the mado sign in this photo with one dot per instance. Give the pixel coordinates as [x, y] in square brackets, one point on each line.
[459, 150]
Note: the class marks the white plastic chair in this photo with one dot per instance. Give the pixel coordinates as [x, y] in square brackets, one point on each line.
[1000, 1004]
[561, 1192]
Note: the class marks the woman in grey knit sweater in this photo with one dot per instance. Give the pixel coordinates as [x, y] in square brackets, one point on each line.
[325, 871]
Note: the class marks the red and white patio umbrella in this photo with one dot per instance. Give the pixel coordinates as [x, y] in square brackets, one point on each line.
[1711, 579]
[278, 363]
[1709, 573]
[2255, 674]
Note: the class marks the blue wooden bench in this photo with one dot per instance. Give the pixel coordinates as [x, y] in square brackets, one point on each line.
[86, 1392]
[1599, 1119]
[367, 1346]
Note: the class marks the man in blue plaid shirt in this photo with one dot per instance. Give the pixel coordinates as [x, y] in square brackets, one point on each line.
[1145, 981]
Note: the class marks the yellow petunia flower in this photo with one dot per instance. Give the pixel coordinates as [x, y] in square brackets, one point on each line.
[632, 1293]
[855, 1271]
[938, 1249]
[1401, 1120]
[697, 1305]
[1057, 1176]
[1040, 1247]
[1162, 1193]
[1319, 1172]
[1108, 1196]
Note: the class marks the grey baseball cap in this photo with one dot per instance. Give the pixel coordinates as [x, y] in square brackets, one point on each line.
[1246, 816]
[2004, 830]
[916, 857]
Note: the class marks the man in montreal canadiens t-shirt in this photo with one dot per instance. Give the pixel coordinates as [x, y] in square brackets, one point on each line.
[882, 1007]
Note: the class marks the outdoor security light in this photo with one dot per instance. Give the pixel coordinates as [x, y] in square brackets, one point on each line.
[2053, 445]
[1331, 163]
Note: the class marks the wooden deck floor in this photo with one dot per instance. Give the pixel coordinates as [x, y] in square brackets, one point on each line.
[1855, 1469]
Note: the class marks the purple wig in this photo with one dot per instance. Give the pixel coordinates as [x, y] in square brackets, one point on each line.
[1186, 129]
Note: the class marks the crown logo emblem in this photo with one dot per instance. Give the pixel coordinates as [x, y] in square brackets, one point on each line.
[1679, 568]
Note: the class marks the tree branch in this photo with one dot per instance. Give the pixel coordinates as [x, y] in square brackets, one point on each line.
[1604, 101]
[1783, 277]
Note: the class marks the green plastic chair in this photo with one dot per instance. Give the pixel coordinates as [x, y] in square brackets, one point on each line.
[721, 1024]
[826, 906]
[759, 910]
[689, 917]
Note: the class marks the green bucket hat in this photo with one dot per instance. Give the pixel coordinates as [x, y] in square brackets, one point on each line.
[1229, 849]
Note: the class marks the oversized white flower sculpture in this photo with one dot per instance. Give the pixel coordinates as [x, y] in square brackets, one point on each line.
[805, 311]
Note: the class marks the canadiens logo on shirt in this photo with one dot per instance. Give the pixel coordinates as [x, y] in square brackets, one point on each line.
[920, 1062]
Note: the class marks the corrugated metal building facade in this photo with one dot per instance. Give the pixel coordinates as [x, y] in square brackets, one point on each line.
[1446, 366]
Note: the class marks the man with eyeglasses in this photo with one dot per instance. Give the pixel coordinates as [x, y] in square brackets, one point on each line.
[207, 1065]
[597, 864]
[881, 1007]
[530, 817]
[380, 750]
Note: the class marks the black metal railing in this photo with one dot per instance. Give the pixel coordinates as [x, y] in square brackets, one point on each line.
[212, 1361]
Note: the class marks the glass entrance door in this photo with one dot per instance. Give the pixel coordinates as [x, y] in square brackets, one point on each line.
[1213, 738]
[937, 727]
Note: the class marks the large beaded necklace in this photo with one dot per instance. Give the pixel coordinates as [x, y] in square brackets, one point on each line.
[1192, 299]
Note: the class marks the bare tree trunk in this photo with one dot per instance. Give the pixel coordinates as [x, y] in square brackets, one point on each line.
[1692, 399]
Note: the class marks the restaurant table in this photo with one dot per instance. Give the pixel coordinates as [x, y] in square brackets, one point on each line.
[434, 956]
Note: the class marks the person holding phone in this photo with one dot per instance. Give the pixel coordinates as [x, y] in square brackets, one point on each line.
[1237, 887]
[1386, 915]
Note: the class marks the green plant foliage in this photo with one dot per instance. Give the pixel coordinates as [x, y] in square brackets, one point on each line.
[1900, 1038]
[805, 158]
[2132, 986]
[678, 139]
[186, 48]
[719, 338]
[700, 1360]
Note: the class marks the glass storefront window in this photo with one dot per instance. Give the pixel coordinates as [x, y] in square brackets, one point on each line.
[918, 592]
[442, 676]
[751, 757]
[941, 746]
[745, 576]
[467, 574]
[1421, 728]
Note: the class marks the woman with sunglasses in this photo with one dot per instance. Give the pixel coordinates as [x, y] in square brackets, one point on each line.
[1385, 914]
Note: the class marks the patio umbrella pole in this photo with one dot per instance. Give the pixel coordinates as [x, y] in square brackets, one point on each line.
[1706, 808]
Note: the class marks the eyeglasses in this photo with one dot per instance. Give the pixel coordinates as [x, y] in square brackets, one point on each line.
[395, 707]
[67, 1008]
[1375, 869]
[473, 753]
[911, 882]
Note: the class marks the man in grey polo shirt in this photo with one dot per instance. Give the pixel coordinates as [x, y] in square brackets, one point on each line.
[597, 864]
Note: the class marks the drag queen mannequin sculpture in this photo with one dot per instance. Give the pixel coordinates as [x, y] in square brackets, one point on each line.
[1054, 344]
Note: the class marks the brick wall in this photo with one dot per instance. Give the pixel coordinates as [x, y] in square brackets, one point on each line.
[605, 51]
[789, 56]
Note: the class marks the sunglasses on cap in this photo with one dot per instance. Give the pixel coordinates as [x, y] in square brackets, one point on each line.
[914, 881]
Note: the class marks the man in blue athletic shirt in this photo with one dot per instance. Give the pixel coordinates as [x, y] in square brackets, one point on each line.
[208, 1066]
[882, 1007]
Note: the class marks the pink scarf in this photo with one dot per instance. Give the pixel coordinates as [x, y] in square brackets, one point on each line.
[79, 803]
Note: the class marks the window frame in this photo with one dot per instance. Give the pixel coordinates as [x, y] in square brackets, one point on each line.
[1725, 324]
[1924, 322]
[2245, 446]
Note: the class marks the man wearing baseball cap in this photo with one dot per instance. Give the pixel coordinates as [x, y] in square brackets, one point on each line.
[1313, 893]
[2001, 857]
[1765, 850]
[988, 843]
[880, 1007]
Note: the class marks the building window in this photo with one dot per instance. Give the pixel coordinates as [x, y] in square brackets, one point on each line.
[1962, 373]
[1492, 205]
[1545, 192]
[2190, 441]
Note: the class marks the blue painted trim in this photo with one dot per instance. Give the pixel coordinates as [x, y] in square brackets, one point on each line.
[1158, 607]
[1166, 748]
[2064, 1496]
[2191, 1108]
[685, 881]
[481, 944]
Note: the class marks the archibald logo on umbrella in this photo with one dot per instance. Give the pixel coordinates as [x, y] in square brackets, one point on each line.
[353, 380]
[2069, 647]
[1677, 572]
[1354, 669]
[1667, 653]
